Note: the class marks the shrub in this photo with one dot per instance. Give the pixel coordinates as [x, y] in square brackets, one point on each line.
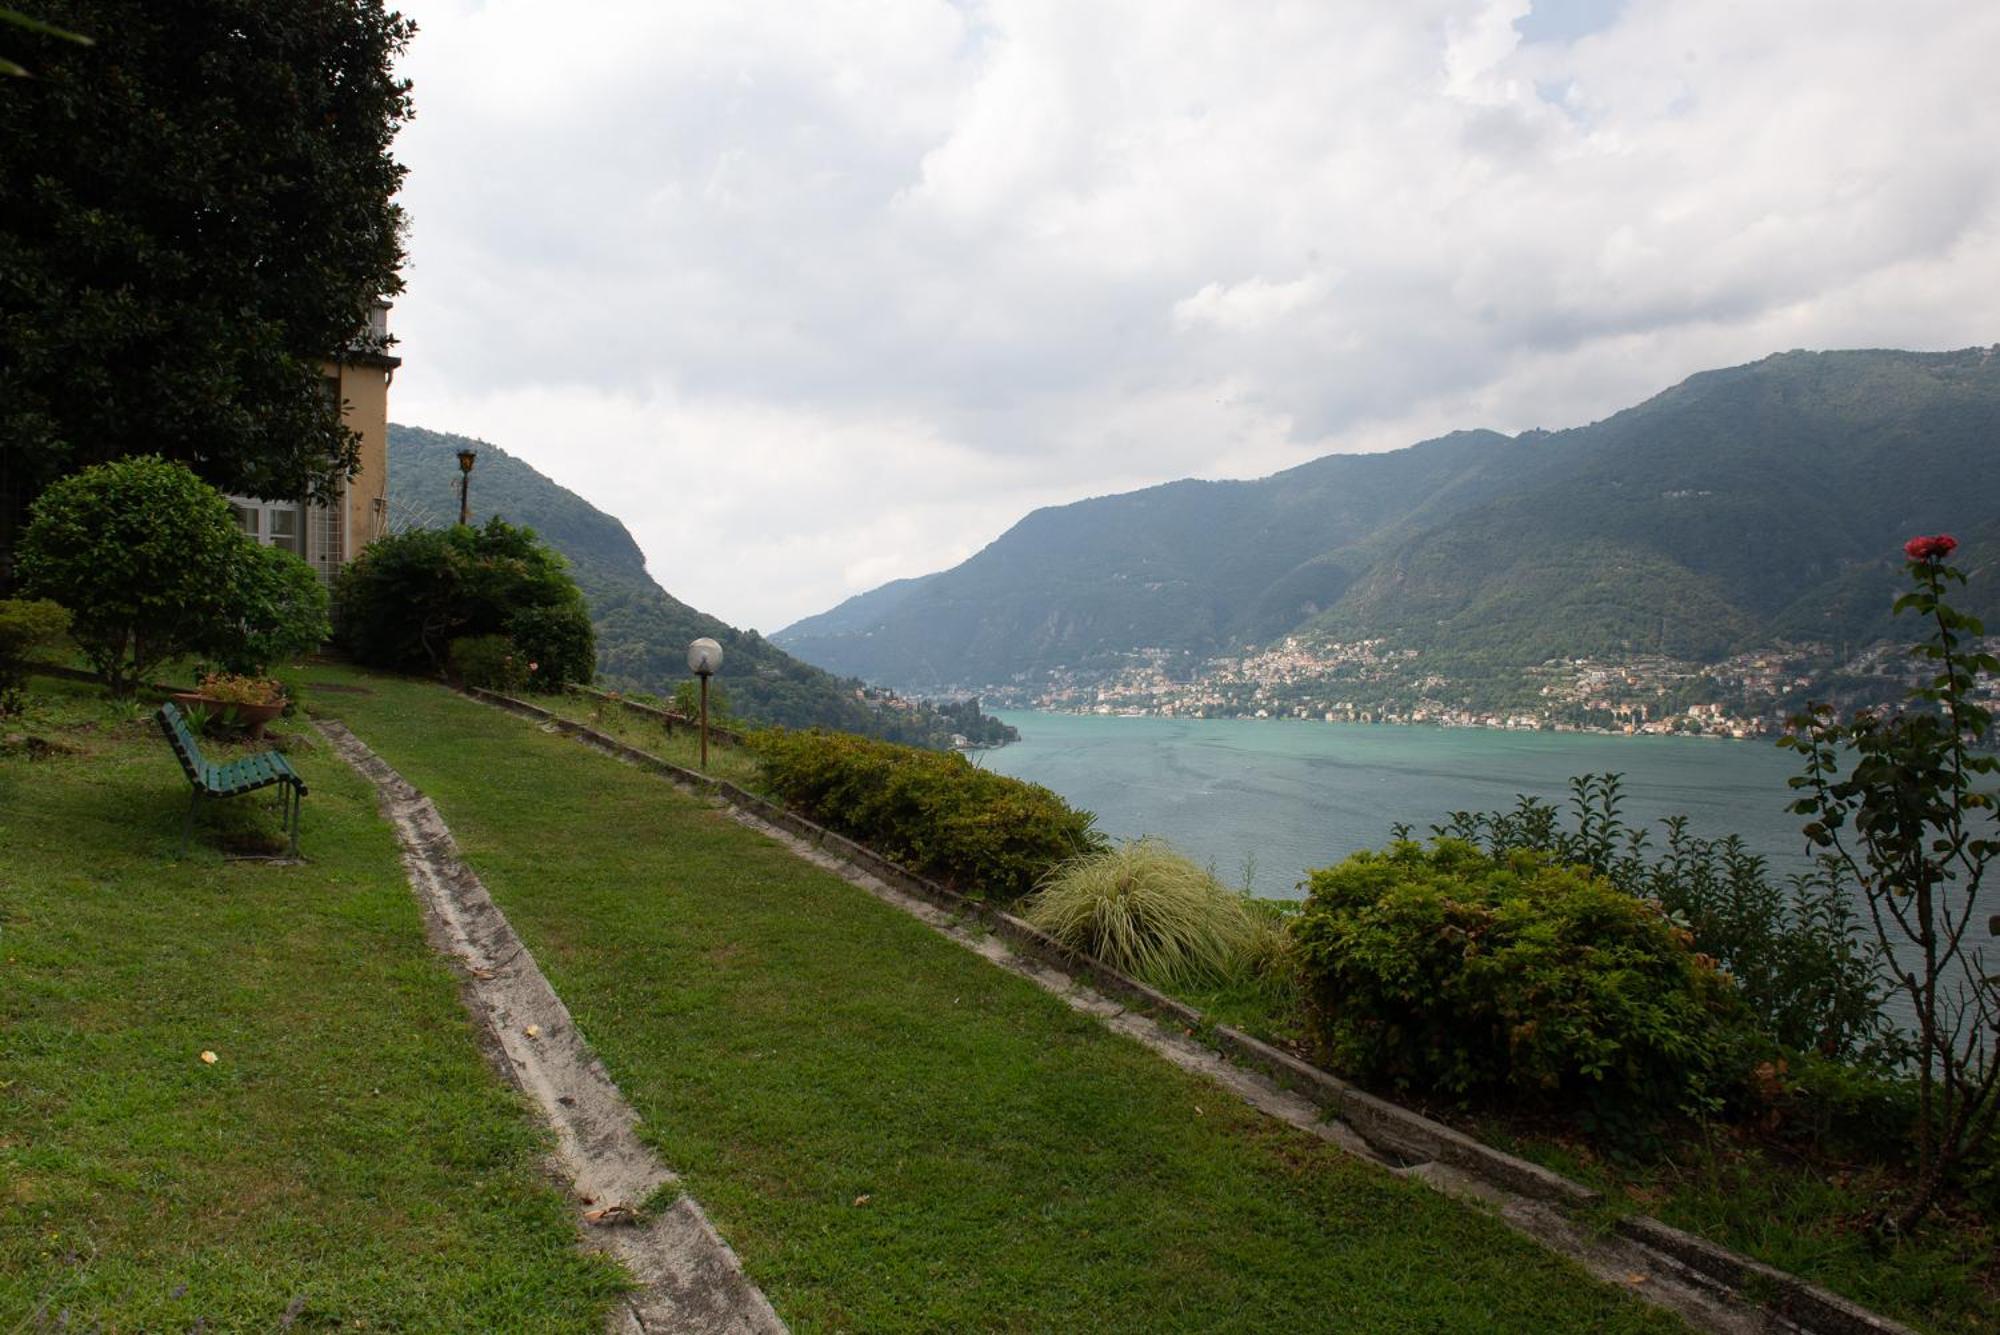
[1450, 971]
[1144, 908]
[1794, 948]
[557, 641]
[402, 602]
[491, 662]
[27, 626]
[144, 554]
[932, 811]
[280, 612]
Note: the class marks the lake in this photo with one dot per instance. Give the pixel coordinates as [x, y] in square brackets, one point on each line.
[1283, 796]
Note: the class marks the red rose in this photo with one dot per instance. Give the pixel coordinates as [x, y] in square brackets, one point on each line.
[1934, 548]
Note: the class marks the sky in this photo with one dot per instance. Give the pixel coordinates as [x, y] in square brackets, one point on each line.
[816, 296]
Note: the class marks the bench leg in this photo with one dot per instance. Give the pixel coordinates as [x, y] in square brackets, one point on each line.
[297, 802]
[187, 825]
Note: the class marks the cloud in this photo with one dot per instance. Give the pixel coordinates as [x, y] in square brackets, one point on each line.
[840, 290]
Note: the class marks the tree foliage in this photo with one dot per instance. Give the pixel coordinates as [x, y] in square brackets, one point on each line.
[144, 554]
[194, 212]
[407, 597]
[279, 612]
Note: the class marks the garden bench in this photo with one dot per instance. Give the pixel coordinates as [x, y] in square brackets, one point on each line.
[247, 775]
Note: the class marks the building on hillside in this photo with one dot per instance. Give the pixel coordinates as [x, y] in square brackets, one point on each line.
[329, 536]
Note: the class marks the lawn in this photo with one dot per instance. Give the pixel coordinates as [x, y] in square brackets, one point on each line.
[896, 1135]
[348, 1159]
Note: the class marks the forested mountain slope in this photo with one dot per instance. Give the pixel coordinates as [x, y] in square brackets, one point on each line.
[1742, 506]
[642, 630]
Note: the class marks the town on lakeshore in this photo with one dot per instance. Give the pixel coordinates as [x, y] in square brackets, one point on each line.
[1369, 681]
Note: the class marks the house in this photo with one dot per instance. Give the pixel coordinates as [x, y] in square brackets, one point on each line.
[328, 536]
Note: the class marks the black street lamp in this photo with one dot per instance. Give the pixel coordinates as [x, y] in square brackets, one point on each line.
[465, 461]
[704, 658]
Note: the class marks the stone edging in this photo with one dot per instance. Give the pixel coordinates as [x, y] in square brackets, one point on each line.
[666, 718]
[686, 1277]
[1389, 1127]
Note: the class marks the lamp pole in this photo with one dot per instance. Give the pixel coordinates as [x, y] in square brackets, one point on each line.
[704, 657]
[465, 462]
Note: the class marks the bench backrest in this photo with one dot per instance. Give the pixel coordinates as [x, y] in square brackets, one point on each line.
[181, 737]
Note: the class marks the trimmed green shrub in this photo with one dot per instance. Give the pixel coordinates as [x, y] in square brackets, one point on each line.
[27, 626]
[280, 613]
[1449, 971]
[491, 662]
[557, 643]
[1143, 908]
[402, 602]
[144, 554]
[933, 811]
[1794, 947]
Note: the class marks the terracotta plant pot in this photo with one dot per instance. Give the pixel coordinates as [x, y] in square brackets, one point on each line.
[253, 717]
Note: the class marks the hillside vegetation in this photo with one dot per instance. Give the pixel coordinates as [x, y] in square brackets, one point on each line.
[642, 630]
[1741, 507]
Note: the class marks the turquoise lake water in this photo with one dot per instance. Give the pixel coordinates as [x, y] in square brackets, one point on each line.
[1292, 795]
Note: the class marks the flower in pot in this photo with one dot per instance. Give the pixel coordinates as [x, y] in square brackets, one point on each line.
[254, 701]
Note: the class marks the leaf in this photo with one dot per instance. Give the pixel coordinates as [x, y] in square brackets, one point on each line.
[208, 1058]
[533, 1031]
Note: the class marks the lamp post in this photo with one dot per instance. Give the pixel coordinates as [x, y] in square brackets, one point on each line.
[465, 462]
[704, 658]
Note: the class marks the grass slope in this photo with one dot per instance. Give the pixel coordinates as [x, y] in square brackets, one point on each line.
[895, 1135]
[350, 1158]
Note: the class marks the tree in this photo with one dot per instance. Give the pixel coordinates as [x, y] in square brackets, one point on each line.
[194, 212]
[280, 612]
[1894, 805]
[407, 597]
[147, 558]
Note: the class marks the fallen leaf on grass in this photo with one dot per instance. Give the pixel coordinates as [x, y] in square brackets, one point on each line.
[612, 1214]
[862, 1199]
[208, 1057]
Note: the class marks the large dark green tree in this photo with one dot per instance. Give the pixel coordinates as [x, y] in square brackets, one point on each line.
[194, 211]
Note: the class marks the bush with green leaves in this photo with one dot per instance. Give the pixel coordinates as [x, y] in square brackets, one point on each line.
[145, 555]
[402, 602]
[1143, 908]
[280, 612]
[1794, 946]
[490, 662]
[932, 811]
[28, 626]
[1449, 971]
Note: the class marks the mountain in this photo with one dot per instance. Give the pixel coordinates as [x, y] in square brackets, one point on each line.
[1741, 507]
[642, 630]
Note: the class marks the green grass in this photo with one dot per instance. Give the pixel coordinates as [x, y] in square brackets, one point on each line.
[895, 1135]
[1804, 1216]
[680, 746]
[350, 1152]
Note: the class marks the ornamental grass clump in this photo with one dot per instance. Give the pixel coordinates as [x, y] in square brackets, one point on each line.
[1145, 909]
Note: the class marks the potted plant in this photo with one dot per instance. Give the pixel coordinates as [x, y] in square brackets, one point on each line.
[254, 701]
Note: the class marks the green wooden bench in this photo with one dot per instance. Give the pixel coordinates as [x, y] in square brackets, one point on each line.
[238, 777]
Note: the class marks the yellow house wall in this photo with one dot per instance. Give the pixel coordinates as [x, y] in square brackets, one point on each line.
[364, 397]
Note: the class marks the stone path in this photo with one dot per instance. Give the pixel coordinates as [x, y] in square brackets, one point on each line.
[688, 1278]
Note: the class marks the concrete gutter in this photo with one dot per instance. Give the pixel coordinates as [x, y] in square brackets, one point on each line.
[687, 1277]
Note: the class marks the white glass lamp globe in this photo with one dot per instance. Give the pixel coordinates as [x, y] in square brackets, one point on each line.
[704, 657]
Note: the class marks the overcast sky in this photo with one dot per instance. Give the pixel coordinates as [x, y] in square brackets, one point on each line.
[817, 295]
